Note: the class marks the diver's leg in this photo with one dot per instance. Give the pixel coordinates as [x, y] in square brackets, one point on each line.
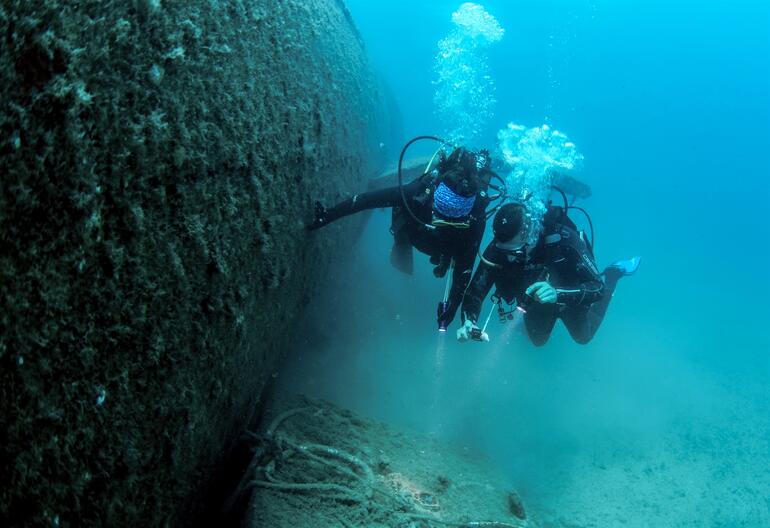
[539, 321]
[582, 322]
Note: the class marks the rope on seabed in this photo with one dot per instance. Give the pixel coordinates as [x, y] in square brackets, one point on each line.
[278, 420]
[318, 453]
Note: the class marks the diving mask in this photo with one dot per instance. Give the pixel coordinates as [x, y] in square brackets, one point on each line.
[514, 250]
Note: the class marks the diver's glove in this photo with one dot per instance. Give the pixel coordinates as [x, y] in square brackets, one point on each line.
[542, 292]
[320, 219]
[470, 331]
[441, 266]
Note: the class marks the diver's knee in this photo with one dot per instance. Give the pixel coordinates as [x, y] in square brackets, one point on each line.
[582, 340]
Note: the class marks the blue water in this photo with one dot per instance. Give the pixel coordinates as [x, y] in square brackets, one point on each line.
[665, 413]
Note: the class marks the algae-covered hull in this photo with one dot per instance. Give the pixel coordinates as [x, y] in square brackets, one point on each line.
[159, 161]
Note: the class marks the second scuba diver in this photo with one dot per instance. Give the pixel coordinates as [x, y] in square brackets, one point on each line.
[556, 278]
[442, 214]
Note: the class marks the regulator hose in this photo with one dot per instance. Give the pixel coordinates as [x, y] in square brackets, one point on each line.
[400, 180]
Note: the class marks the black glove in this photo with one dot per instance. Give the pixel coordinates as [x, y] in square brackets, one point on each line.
[319, 220]
[442, 265]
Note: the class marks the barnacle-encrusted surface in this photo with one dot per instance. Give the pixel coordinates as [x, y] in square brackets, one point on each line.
[158, 162]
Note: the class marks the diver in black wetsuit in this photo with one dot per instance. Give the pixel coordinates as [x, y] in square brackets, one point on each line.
[556, 278]
[449, 202]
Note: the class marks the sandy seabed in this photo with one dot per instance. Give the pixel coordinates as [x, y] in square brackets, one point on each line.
[709, 468]
[319, 465]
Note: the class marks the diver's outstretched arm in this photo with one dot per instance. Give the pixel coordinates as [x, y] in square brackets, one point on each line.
[387, 197]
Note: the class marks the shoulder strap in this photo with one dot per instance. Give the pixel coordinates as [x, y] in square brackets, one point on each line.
[554, 220]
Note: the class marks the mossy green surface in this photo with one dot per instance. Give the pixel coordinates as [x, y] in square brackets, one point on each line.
[159, 160]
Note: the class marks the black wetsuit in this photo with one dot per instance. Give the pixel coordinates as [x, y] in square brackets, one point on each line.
[441, 243]
[564, 260]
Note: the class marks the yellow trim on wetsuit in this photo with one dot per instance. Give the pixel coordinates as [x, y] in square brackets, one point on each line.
[438, 222]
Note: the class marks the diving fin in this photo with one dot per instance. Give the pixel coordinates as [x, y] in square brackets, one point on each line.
[401, 257]
[626, 267]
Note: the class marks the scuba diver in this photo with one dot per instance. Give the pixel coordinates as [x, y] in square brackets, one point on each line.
[556, 278]
[441, 213]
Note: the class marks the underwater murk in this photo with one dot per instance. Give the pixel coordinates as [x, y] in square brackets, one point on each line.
[197, 330]
[663, 109]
